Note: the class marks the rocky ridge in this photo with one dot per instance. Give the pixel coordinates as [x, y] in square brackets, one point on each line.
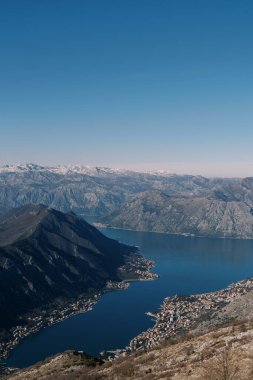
[135, 200]
[196, 216]
[100, 191]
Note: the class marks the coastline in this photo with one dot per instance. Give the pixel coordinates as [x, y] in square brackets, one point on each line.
[181, 314]
[182, 234]
[136, 266]
[45, 317]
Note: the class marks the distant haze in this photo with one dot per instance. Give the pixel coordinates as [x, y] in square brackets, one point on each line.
[206, 169]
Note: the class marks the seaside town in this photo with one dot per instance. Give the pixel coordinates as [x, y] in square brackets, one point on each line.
[46, 317]
[180, 313]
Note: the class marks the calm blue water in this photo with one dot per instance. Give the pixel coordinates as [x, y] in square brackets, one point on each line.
[185, 265]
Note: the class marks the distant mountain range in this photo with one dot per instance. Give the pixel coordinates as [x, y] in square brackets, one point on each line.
[200, 216]
[60, 169]
[219, 206]
[48, 256]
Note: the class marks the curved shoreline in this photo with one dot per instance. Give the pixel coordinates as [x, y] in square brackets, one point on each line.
[136, 266]
[45, 317]
[181, 314]
[181, 234]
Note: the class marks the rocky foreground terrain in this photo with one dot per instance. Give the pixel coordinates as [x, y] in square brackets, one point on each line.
[218, 347]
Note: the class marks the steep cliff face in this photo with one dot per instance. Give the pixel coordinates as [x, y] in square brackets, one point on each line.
[201, 216]
[47, 255]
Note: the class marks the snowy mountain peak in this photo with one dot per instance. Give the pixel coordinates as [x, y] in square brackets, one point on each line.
[62, 169]
[21, 168]
[77, 169]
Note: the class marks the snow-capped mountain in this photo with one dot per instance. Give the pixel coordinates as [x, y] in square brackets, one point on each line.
[85, 169]
[62, 169]
[21, 168]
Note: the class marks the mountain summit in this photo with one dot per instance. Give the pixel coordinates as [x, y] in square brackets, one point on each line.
[46, 255]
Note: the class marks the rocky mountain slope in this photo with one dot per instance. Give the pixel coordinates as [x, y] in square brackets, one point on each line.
[100, 191]
[46, 255]
[200, 216]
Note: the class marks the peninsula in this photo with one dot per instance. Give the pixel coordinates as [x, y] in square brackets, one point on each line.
[56, 265]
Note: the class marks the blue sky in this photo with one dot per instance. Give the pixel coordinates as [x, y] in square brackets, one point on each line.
[144, 84]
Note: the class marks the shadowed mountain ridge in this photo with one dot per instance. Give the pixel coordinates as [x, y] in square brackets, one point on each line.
[46, 255]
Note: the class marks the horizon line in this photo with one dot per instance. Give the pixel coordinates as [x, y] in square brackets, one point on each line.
[184, 169]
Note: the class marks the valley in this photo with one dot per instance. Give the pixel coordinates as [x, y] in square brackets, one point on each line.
[69, 270]
[222, 348]
[185, 266]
